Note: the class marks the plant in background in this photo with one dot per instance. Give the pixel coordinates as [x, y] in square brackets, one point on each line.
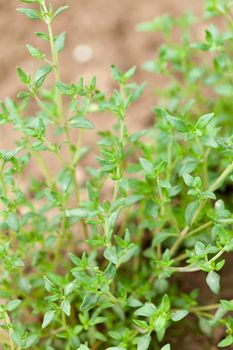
[89, 266]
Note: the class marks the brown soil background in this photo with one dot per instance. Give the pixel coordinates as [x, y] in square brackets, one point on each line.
[108, 27]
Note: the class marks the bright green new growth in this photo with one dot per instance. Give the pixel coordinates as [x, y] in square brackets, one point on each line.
[82, 268]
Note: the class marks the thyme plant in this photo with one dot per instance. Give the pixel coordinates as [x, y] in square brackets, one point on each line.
[94, 265]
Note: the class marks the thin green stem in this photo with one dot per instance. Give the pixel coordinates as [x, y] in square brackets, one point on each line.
[203, 314]
[9, 327]
[2, 180]
[179, 240]
[204, 156]
[122, 142]
[225, 221]
[205, 307]
[169, 160]
[205, 169]
[54, 59]
[186, 269]
[55, 62]
[196, 268]
[119, 168]
[180, 257]
[221, 178]
[162, 204]
[199, 229]
[218, 255]
[63, 320]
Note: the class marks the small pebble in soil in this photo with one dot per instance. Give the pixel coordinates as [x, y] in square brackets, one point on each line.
[82, 53]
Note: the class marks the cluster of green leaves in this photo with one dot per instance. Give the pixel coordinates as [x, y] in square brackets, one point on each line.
[88, 265]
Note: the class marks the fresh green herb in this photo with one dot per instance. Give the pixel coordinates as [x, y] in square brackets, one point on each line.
[89, 265]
